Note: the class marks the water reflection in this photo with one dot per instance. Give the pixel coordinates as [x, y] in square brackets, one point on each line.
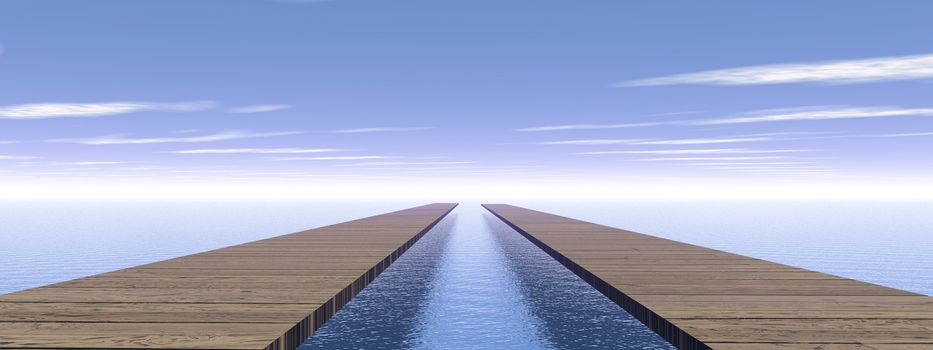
[386, 314]
[572, 313]
[475, 301]
[474, 283]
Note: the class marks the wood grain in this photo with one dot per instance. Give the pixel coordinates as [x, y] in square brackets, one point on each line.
[269, 294]
[700, 298]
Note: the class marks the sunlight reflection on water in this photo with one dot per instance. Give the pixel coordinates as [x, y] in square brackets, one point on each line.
[474, 283]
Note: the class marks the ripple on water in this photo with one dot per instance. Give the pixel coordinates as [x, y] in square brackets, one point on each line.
[474, 283]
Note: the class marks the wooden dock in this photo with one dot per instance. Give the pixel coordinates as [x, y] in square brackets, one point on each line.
[268, 294]
[700, 298]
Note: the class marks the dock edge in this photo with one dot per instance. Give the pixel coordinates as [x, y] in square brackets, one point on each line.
[300, 332]
[671, 333]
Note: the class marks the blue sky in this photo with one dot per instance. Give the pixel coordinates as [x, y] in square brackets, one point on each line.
[478, 98]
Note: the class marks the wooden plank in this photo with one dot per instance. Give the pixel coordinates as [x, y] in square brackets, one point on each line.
[701, 298]
[811, 346]
[154, 312]
[268, 294]
[802, 330]
[175, 295]
[58, 335]
[221, 282]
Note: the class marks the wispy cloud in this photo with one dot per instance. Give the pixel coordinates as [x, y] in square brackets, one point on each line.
[259, 108]
[96, 163]
[708, 141]
[698, 141]
[9, 157]
[205, 171]
[223, 136]
[442, 168]
[610, 126]
[775, 136]
[331, 158]
[818, 113]
[380, 164]
[256, 150]
[379, 129]
[771, 167]
[139, 168]
[831, 72]
[50, 173]
[810, 113]
[694, 159]
[789, 172]
[702, 151]
[908, 134]
[101, 109]
[779, 171]
[7, 142]
[741, 163]
[596, 126]
[594, 142]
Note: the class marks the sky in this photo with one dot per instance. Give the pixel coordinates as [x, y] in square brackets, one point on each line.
[466, 99]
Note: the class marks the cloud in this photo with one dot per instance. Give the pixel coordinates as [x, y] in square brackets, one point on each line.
[594, 142]
[95, 163]
[331, 158]
[405, 163]
[595, 126]
[702, 151]
[223, 136]
[365, 130]
[909, 134]
[139, 168]
[774, 136]
[9, 157]
[733, 163]
[256, 150]
[258, 108]
[610, 126]
[205, 171]
[7, 142]
[699, 141]
[818, 113]
[764, 116]
[693, 159]
[708, 141]
[832, 72]
[442, 168]
[74, 110]
[50, 173]
[771, 167]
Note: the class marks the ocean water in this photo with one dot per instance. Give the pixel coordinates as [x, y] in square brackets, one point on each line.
[472, 282]
[883, 242]
[43, 242]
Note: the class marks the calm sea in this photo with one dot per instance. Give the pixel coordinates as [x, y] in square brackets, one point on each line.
[883, 242]
[472, 282]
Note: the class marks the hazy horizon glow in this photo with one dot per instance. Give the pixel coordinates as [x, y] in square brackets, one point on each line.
[413, 99]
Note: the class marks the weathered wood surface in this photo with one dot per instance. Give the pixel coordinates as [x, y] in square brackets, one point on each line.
[700, 298]
[267, 294]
